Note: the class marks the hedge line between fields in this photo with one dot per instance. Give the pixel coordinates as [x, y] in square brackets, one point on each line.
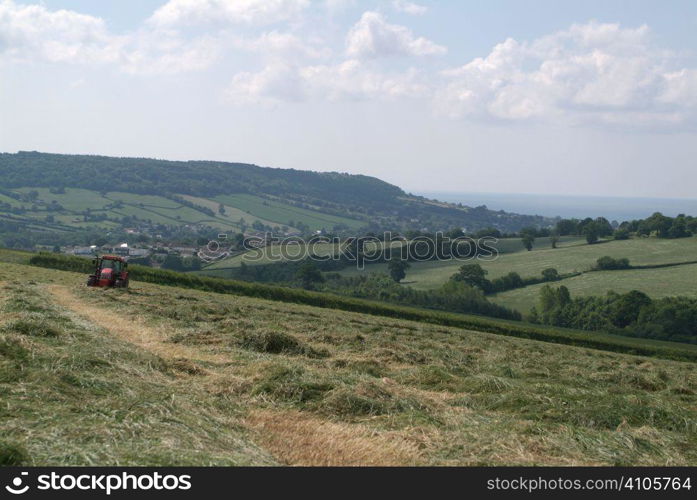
[625, 345]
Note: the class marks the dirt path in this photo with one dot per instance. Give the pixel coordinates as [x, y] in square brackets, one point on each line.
[132, 330]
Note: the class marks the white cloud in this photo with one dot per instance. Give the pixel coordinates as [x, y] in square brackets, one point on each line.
[590, 72]
[33, 34]
[411, 8]
[353, 79]
[283, 45]
[373, 37]
[275, 83]
[176, 13]
[32, 31]
[348, 80]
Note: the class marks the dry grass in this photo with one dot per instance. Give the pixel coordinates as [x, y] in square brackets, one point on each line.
[220, 377]
[131, 329]
[296, 438]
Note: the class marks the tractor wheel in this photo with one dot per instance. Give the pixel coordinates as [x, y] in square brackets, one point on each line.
[91, 281]
[118, 284]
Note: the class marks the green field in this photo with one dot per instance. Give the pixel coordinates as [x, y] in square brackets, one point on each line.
[282, 213]
[74, 200]
[429, 275]
[170, 376]
[232, 214]
[657, 283]
[280, 253]
[572, 256]
[161, 210]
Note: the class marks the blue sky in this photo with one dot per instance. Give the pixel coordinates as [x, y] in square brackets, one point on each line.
[592, 97]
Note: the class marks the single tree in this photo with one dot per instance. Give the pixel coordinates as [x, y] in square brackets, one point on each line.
[397, 269]
[550, 274]
[308, 274]
[528, 239]
[554, 239]
[590, 230]
[473, 275]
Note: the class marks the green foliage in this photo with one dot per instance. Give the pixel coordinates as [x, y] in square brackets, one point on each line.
[550, 274]
[309, 275]
[528, 240]
[473, 275]
[397, 269]
[632, 314]
[607, 263]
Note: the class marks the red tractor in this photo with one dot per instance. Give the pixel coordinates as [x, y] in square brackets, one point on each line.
[109, 270]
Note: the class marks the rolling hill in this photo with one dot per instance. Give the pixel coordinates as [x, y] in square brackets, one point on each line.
[65, 194]
[162, 375]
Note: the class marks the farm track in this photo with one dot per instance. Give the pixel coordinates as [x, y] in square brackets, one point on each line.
[136, 332]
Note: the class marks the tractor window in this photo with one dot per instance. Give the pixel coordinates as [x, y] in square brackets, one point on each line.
[112, 264]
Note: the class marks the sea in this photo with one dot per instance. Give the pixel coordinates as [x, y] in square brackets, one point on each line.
[612, 208]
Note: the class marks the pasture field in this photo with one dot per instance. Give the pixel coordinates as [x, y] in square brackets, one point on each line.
[429, 275]
[10, 201]
[571, 256]
[279, 253]
[169, 376]
[232, 214]
[74, 199]
[282, 213]
[656, 283]
[159, 209]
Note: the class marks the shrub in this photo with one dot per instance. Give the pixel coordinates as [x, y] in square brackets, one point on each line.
[608, 264]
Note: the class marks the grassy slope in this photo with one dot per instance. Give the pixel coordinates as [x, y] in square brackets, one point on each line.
[596, 340]
[572, 255]
[182, 376]
[432, 274]
[282, 213]
[280, 253]
[657, 283]
[164, 211]
[232, 214]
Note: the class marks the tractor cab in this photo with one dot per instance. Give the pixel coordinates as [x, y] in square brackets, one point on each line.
[109, 271]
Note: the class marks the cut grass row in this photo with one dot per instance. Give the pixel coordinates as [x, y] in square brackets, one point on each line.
[75, 395]
[595, 340]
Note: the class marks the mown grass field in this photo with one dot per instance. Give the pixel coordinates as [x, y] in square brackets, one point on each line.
[657, 283]
[162, 375]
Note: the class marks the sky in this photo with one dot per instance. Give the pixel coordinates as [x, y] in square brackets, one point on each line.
[537, 96]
